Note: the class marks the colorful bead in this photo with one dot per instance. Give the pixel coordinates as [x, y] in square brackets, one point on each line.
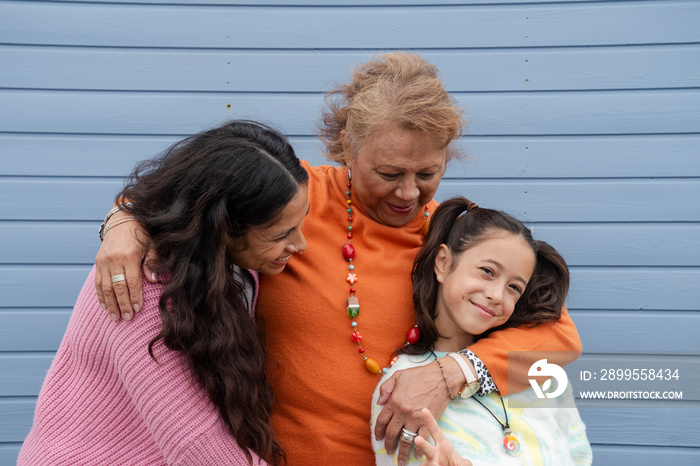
[372, 366]
[353, 306]
[413, 335]
[356, 337]
[426, 224]
[352, 278]
[348, 251]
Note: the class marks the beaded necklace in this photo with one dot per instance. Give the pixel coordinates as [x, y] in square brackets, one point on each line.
[353, 303]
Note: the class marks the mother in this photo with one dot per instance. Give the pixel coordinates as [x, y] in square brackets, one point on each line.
[391, 131]
[185, 384]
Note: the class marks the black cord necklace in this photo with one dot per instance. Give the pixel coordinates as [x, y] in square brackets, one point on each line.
[511, 443]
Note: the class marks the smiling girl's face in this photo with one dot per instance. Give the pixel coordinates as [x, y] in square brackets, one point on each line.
[479, 288]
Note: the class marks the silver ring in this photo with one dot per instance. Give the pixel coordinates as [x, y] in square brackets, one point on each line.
[407, 435]
[119, 278]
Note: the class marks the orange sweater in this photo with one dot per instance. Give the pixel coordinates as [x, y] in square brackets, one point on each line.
[323, 392]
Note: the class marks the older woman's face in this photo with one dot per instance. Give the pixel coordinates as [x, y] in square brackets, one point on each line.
[396, 173]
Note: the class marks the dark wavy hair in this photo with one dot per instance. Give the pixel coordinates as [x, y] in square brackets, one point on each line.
[460, 224]
[192, 200]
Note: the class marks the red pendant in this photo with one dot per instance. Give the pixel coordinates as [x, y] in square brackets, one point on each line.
[413, 335]
[348, 251]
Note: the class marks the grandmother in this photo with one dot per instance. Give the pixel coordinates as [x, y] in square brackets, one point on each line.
[333, 319]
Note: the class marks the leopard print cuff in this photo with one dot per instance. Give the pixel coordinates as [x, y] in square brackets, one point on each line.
[483, 374]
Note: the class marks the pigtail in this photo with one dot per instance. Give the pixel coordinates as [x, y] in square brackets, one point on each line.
[425, 285]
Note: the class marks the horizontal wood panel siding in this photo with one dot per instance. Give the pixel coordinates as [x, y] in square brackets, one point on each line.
[614, 23]
[592, 288]
[163, 113]
[668, 156]
[646, 200]
[581, 244]
[584, 121]
[468, 70]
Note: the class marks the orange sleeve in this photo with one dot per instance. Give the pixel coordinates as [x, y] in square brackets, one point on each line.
[558, 342]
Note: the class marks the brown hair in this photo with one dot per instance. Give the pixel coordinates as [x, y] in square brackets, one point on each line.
[460, 224]
[399, 89]
[192, 200]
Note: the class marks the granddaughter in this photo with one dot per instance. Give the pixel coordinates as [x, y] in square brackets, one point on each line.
[480, 270]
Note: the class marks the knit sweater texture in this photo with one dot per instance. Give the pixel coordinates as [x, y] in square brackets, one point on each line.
[106, 402]
[323, 393]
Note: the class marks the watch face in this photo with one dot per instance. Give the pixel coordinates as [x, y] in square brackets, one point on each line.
[469, 390]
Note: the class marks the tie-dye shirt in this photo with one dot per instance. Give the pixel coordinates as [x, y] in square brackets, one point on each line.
[552, 435]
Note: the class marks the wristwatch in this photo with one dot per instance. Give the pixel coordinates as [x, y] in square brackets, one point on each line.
[472, 385]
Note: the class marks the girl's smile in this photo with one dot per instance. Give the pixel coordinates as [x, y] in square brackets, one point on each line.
[479, 288]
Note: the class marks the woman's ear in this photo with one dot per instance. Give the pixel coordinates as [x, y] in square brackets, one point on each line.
[443, 260]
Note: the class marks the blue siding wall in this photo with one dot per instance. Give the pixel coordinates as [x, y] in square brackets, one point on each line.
[584, 121]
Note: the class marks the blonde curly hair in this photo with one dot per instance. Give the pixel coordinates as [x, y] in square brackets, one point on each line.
[394, 89]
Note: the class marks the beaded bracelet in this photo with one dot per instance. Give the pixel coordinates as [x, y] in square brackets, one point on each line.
[118, 222]
[444, 376]
[101, 232]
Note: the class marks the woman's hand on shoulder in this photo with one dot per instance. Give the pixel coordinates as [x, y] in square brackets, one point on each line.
[442, 453]
[118, 269]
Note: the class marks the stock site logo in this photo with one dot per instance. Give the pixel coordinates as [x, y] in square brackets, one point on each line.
[545, 369]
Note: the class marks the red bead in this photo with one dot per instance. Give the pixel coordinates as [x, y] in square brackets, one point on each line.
[348, 251]
[361, 350]
[413, 335]
[349, 219]
[352, 290]
[349, 185]
[349, 235]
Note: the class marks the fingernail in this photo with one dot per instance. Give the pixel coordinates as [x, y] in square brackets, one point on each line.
[113, 316]
[102, 305]
[154, 277]
[126, 316]
[136, 308]
[402, 463]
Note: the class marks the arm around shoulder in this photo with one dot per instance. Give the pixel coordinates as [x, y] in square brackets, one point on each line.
[557, 342]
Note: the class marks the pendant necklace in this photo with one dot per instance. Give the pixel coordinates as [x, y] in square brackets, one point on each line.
[353, 303]
[511, 443]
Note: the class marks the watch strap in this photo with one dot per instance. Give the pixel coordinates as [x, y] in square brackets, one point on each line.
[468, 374]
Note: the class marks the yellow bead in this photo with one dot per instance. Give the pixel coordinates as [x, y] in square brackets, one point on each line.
[426, 225]
[372, 366]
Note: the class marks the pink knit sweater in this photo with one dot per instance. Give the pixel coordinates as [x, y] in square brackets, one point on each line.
[106, 402]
